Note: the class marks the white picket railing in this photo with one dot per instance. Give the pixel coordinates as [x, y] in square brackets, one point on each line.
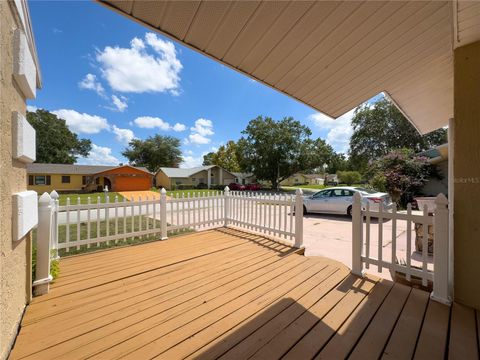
[365, 252]
[78, 226]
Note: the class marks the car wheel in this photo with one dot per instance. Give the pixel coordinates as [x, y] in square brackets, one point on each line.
[349, 211]
[305, 212]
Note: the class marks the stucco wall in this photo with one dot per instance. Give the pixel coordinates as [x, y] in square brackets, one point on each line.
[466, 174]
[14, 257]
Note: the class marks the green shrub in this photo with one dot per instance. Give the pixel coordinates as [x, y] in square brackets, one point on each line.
[349, 177]
[201, 186]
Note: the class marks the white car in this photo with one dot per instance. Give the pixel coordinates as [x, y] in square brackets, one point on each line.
[339, 200]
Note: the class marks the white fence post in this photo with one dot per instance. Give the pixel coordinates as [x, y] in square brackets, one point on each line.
[163, 213]
[299, 218]
[440, 251]
[44, 233]
[54, 245]
[357, 234]
[226, 209]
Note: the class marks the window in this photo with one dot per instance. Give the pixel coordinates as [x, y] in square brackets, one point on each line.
[322, 194]
[85, 180]
[97, 181]
[65, 179]
[40, 180]
[193, 179]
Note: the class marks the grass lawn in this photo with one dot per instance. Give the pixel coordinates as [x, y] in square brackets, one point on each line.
[102, 231]
[198, 192]
[84, 198]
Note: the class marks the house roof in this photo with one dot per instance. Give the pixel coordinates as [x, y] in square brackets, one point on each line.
[184, 173]
[74, 169]
[330, 55]
[436, 154]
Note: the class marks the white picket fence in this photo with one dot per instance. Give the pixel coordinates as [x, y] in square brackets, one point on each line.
[76, 224]
[363, 246]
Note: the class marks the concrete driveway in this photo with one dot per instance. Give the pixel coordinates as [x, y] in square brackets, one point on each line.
[331, 236]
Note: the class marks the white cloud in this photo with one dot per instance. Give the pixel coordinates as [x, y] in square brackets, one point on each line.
[123, 135]
[179, 127]
[99, 155]
[119, 103]
[90, 82]
[339, 130]
[200, 132]
[191, 161]
[198, 139]
[32, 108]
[150, 122]
[82, 122]
[137, 70]
[203, 127]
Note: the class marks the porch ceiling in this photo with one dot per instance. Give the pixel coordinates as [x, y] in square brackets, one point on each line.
[330, 55]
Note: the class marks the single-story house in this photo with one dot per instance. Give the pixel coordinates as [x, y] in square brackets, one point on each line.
[211, 175]
[87, 178]
[244, 178]
[437, 156]
[299, 178]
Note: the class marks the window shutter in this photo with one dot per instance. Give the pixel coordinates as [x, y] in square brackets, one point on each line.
[30, 179]
[48, 180]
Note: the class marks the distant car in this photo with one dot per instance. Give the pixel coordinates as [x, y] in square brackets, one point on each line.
[339, 200]
[236, 187]
[253, 187]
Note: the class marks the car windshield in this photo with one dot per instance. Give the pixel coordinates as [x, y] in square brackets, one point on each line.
[368, 191]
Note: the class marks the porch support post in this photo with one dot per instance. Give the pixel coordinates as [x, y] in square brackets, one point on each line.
[209, 178]
[441, 291]
[466, 147]
[357, 235]
[44, 233]
[220, 176]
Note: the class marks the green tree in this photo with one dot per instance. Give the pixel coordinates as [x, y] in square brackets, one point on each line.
[274, 150]
[56, 144]
[402, 174]
[208, 159]
[382, 128]
[154, 152]
[225, 157]
[349, 177]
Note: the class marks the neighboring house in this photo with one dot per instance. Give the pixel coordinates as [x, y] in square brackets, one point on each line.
[439, 157]
[87, 178]
[244, 178]
[331, 179]
[300, 178]
[211, 175]
[20, 74]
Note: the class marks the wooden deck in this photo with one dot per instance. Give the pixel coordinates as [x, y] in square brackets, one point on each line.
[231, 295]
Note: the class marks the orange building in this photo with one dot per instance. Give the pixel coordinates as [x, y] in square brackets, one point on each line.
[87, 178]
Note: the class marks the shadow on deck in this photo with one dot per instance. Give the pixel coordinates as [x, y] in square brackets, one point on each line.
[231, 295]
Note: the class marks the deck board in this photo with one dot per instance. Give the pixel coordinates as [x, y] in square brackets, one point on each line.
[232, 295]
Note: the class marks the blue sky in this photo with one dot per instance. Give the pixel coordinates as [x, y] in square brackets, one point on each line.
[112, 79]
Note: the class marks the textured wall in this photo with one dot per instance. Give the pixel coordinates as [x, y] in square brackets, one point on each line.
[14, 257]
[466, 174]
